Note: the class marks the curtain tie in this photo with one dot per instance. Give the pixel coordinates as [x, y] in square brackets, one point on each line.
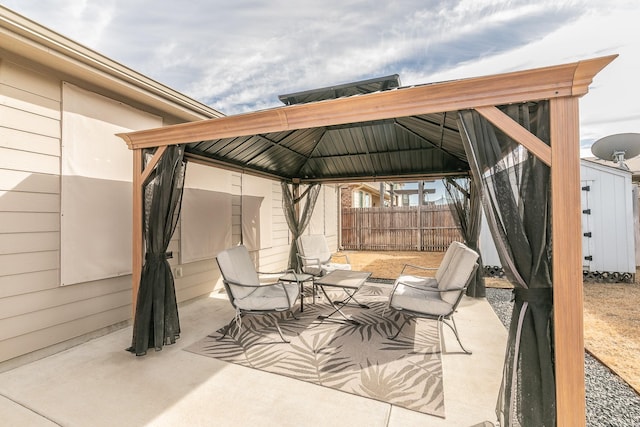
[534, 295]
[158, 257]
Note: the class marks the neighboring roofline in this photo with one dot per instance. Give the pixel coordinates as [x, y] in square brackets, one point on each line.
[28, 39]
[370, 188]
[612, 168]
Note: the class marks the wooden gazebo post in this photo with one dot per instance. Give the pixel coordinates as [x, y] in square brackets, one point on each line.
[136, 247]
[567, 262]
[563, 157]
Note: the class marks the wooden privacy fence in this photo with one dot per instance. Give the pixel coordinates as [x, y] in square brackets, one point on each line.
[411, 228]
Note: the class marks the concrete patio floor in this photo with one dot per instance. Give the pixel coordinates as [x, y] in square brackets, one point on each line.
[97, 383]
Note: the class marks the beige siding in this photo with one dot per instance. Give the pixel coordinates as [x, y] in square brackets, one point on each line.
[35, 311]
[28, 283]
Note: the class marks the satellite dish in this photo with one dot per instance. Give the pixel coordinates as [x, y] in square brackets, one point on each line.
[617, 148]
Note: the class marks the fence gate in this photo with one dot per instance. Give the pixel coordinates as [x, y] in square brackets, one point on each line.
[406, 228]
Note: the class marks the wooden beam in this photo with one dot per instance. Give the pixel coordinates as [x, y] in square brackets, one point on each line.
[517, 132]
[567, 262]
[137, 244]
[152, 164]
[529, 85]
[207, 161]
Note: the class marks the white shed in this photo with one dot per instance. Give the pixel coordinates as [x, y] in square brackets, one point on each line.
[608, 224]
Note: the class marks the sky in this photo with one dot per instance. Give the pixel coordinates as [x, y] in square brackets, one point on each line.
[239, 55]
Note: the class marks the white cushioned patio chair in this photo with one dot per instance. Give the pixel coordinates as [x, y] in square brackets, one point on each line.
[436, 297]
[315, 256]
[247, 294]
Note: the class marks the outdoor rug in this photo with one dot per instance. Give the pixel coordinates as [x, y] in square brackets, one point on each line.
[357, 359]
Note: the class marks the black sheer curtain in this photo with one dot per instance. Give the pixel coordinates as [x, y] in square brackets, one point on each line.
[518, 207]
[296, 224]
[464, 200]
[156, 321]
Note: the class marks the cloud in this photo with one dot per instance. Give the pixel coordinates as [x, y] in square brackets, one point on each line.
[239, 56]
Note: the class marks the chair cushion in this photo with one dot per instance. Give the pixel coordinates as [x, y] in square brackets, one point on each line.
[446, 260]
[458, 273]
[270, 297]
[421, 301]
[236, 266]
[332, 266]
[420, 281]
[314, 246]
[314, 269]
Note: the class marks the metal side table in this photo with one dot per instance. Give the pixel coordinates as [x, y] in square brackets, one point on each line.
[300, 279]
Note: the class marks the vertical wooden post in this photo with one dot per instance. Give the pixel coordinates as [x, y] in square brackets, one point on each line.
[137, 229]
[567, 262]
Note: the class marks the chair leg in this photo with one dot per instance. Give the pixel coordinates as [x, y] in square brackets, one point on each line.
[453, 327]
[227, 328]
[275, 322]
[233, 321]
[406, 320]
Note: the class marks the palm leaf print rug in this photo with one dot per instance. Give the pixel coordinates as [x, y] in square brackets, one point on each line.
[357, 359]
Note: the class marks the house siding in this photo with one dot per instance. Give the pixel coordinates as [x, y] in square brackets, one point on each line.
[38, 316]
[35, 312]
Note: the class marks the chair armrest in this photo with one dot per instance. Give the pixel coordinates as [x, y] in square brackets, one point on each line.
[280, 284]
[422, 288]
[417, 267]
[306, 260]
[271, 276]
[275, 273]
[345, 256]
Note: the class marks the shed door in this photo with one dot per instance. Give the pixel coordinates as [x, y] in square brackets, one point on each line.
[587, 225]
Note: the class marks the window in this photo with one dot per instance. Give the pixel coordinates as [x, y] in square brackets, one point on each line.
[357, 199]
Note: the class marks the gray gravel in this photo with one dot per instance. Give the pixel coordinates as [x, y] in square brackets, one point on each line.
[610, 400]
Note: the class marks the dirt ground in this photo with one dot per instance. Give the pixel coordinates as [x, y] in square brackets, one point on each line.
[611, 310]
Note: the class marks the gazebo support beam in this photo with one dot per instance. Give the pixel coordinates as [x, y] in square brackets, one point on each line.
[567, 262]
[136, 245]
[517, 132]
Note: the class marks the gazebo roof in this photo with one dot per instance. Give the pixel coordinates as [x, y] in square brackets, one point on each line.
[398, 133]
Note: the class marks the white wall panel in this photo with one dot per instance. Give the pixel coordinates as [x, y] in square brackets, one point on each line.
[96, 185]
[257, 215]
[205, 218]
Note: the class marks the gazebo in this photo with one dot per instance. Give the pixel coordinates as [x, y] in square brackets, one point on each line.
[454, 128]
